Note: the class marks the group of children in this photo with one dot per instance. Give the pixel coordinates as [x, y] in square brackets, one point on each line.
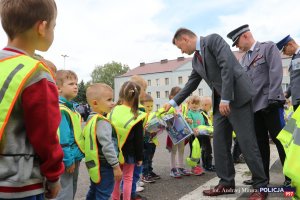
[41, 138]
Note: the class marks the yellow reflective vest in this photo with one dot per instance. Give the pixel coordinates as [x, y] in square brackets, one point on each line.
[76, 124]
[91, 147]
[15, 72]
[290, 139]
[151, 116]
[123, 120]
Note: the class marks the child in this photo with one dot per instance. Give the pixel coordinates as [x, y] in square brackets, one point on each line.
[150, 142]
[136, 183]
[180, 171]
[28, 104]
[128, 121]
[101, 151]
[196, 119]
[70, 133]
[205, 140]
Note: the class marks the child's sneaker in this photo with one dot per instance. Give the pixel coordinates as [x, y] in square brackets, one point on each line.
[139, 189]
[154, 176]
[184, 172]
[174, 173]
[197, 171]
[148, 179]
[140, 183]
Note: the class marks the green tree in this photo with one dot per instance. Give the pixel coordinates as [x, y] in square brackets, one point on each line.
[106, 73]
[81, 97]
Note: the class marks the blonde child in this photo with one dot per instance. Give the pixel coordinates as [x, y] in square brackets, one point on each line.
[205, 140]
[196, 119]
[150, 142]
[70, 133]
[179, 171]
[128, 122]
[30, 151]
[104, 142]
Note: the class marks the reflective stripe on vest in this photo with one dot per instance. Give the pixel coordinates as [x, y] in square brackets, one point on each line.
[91, 148]
[15, 71]
[291, 166]
[76, 124]
[123, 120]
[285, 136]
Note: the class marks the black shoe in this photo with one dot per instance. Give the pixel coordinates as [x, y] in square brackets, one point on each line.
[287, 183]
[154, 176]
[240, 159]
[248, 182]
[210, 169]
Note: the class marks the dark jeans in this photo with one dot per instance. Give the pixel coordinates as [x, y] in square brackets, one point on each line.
[149, 150]
[206, 149]
[104, 189]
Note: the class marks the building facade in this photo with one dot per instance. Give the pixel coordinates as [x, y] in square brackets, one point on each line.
[162, 76]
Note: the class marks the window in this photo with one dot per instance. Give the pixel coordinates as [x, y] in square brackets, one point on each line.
[166, 94]
[166, 81]
[157, 106]
[157, 82]
[149, 82]
[200, 92]
[149, 93]
[158, 94]
[180, 80]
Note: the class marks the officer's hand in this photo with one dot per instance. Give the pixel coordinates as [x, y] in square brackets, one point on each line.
[52, 189]
[71, 169]
[117, 173]
[167, 107]
[224, 108]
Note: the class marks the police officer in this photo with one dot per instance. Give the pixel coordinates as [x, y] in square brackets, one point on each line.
[290, 48]
[262, 62]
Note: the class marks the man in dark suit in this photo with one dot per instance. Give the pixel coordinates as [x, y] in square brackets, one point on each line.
[262, 62]
[289, 47]
[214, 62]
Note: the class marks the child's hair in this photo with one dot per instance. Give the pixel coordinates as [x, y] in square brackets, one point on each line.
[18, 16]
[130, 92]
[63, 75]
[94, 91]
[147, 98]
[194, 100]
[140, 81]
[174, 91]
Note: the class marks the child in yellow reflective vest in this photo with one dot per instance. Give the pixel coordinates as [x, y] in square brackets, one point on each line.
[70, 133]
[195, 119]
[150, 142]
[101, 143]
[128, 122]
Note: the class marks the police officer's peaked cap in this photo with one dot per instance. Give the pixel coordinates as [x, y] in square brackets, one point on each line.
[236, 33]
[283, 42]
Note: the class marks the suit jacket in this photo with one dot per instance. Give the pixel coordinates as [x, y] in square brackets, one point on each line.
[265, 71]
[222, 72]
[294, 87]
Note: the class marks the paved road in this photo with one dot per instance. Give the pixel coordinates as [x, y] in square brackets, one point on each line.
[188, 188]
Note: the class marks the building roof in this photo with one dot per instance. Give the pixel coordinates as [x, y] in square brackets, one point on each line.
[170, 65]
[158, 67]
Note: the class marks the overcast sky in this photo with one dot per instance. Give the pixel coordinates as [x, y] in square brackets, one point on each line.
[95, 32]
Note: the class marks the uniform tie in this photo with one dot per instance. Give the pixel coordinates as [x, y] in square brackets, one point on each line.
[249, 54]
